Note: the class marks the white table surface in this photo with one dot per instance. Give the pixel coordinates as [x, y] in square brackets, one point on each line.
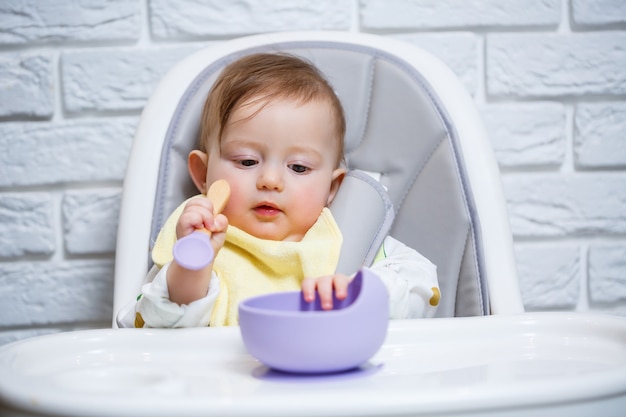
[450, 366]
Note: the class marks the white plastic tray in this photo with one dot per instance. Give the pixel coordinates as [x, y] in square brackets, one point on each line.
[496, 365]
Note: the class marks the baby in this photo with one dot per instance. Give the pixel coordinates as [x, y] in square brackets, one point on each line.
[273, 128]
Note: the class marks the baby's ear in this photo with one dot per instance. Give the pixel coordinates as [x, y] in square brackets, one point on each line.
[197, 163]
[338, 175]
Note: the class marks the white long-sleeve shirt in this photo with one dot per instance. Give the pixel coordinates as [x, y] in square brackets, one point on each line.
[410, 279]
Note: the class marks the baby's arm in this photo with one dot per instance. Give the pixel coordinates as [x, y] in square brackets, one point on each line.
[185, 285]
[153, 307]
[411, 281]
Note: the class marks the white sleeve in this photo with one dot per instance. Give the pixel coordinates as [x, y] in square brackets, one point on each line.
[154, 309]
[411, 281]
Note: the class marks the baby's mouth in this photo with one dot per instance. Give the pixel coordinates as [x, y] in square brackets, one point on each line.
[267, 210]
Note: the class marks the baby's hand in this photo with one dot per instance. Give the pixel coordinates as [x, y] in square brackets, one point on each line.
[325, 286]
[198, 215]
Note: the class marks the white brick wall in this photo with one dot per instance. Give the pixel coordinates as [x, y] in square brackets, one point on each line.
[549, 77]
[532, 65]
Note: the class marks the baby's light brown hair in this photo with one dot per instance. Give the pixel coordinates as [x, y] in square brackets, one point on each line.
[265, 77]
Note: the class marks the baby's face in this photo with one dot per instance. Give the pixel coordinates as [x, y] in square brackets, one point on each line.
[281, 163]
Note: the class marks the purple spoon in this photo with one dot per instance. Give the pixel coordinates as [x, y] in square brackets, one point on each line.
[195, 251]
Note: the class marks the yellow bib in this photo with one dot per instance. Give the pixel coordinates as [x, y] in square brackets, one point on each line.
[248, 266]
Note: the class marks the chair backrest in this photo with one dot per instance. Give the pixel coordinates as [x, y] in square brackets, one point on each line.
[410, 123]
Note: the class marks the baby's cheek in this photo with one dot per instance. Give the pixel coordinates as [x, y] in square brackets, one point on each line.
[234, 209]
[311, 204]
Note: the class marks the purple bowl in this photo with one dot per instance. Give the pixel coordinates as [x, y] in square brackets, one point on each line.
[289, 334]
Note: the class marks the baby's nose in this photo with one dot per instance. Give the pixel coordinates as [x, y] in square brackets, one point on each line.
[270, 178]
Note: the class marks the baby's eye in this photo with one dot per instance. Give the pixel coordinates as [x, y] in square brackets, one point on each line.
[298, 169]
[248, 162]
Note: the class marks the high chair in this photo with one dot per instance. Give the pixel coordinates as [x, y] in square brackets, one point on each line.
[410, 125]
[421, 169]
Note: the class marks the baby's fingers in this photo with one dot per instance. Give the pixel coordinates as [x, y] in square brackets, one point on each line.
[340, 283]
[325, 291]
[324, 288]
[200, 203]
[219, 224]
[189, 221]
[309, 286]
[218, 232]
